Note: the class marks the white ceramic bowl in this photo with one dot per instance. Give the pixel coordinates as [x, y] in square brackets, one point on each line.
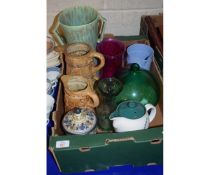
[50, 105]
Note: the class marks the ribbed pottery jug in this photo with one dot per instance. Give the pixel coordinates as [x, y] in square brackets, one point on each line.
[78, 24]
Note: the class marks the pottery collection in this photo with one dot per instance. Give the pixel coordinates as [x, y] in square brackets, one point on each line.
[107, 86]
[52, 77]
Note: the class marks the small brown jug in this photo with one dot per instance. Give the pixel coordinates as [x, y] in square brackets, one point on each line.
[78, 93]
[80, 60]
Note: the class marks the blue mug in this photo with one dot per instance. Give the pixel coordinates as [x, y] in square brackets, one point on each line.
[141, 54]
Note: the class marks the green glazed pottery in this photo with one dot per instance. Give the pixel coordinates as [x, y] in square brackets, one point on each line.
[132, 116]
[138, 85]
[79, 24]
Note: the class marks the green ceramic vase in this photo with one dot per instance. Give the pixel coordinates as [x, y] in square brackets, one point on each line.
[79, 24]
[138, 85]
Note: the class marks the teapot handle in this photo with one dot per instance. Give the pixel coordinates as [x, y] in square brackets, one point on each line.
[152, 113]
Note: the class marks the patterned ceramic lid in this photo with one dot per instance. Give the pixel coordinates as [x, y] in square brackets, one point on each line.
[79, 121]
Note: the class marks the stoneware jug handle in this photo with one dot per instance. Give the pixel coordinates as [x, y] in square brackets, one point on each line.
[59, 49]
[54, 31]
[102, 23]
[99, 56]
[152, 112]
[95, 99]
[64, 79]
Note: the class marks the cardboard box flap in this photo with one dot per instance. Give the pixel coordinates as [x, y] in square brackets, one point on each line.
[137, 148]
[71, 142]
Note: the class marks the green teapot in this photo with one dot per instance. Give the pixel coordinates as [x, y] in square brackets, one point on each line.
[138, 85]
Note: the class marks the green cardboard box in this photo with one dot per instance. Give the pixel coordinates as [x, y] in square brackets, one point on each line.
[74, 153]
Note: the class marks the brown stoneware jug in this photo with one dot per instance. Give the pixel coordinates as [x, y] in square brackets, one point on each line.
[82, 60]
[78, 93]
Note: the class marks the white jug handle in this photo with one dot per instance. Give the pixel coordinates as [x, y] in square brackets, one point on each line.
[54, 83]
[152, 113]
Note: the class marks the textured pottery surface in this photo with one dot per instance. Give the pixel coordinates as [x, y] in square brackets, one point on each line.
[79, 121]
[78, 93]
[113, 51]
[138, 85]
[79, 24]
[106, 89]
[131, 116]
[79, 58]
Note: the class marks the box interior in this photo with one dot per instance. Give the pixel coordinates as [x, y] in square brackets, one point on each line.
[138, 148]
[58, 114]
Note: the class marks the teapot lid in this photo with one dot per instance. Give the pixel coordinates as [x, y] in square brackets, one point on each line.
[79, 121]
[130, 110]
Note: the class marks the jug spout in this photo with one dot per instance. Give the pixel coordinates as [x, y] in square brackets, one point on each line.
[113, 116]
[118, 122]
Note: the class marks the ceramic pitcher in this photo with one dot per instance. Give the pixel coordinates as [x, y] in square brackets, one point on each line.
[80, 60]
[78, 93]
[78, 24]
[132, 116]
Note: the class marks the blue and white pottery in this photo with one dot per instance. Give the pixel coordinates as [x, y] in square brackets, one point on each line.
[79, 121]
[53, 73]
[50, 88]
[54, 69]
[141, 54]
[50, 105]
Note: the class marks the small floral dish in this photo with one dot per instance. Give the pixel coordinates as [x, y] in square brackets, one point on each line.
[79, 121]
